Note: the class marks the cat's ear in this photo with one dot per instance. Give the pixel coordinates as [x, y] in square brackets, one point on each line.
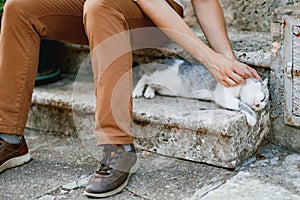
[265, 83]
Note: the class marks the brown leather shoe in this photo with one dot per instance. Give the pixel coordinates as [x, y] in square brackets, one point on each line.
[116, 168]
[12, 155]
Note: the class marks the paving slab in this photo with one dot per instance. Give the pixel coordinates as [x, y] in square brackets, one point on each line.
[272, 174]
[244, 186]
[61, 166]
[55, 160]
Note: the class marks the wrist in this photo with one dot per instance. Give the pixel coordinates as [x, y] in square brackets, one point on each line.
[206, 58]
[230, 55]
[211, 58]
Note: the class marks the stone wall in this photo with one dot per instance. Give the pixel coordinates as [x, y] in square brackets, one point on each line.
[254, 15]
[244, 15]
[282, 134]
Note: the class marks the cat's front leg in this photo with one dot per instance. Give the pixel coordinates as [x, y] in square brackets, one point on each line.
[138, 92]
[149, 93]
[140, 86]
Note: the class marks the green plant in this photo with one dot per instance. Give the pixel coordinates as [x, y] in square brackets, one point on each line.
[1, 4]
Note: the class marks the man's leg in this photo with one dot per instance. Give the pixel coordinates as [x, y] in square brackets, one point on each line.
[110, 28]
[23, 23]
[109, 39]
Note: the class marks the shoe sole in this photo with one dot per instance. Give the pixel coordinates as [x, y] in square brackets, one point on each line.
[117, 190]
[16, 161]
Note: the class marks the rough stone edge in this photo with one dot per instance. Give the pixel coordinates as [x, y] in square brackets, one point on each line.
[162, 139]
[281, 134]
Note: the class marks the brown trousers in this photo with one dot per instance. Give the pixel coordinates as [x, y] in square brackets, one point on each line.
[106, 25]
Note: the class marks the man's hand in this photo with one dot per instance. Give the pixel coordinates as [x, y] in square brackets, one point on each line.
[230, 72]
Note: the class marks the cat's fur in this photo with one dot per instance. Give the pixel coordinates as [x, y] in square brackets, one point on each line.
[186, 80]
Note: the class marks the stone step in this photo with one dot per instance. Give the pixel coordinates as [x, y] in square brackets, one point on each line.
[252, 48]
[182, 128]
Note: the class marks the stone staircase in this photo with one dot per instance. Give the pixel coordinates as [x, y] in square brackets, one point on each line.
[183, 128]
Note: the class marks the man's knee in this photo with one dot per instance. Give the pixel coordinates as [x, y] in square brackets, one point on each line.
[104, 13]
[101, 8]
[14, 8]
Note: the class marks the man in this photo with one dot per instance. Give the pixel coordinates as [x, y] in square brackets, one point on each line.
[111, 28]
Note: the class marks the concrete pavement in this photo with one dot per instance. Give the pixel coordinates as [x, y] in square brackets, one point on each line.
[61, 166]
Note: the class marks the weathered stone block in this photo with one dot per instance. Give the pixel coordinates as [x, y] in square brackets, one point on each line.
[196, 130]
[182, 128]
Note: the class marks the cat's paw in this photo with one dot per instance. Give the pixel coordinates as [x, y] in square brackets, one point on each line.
[251, 120]
[137, 92]
[149, 93]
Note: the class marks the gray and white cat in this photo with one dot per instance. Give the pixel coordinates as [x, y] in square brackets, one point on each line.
[183, 79]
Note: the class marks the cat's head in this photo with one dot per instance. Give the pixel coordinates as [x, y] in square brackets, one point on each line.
[255, 93]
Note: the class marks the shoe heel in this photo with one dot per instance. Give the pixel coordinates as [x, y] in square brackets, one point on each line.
[135, 167]
[13, 162]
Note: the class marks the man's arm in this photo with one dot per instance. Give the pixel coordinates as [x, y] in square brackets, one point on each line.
[212, 22]
[225, 70]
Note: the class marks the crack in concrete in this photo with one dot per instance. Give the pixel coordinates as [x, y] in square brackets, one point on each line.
[57, 191]
[136, 195]
[205, 190]
[213, 188]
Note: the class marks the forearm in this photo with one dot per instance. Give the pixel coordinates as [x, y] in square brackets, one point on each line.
[211, 19]
[175, 28]
[220, 61]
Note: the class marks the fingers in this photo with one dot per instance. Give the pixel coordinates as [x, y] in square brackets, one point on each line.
[255, 74]
[246, 71]
[231, 73]
[229, 81]
[231, 78]
[243, 70]
[223, 82]
[234, 78]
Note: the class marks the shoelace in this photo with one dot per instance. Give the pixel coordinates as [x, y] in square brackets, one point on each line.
[111, 153]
